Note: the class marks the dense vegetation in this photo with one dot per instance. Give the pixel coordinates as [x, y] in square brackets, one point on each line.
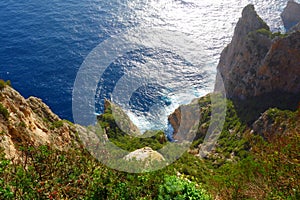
[243, 166]
[4, 112]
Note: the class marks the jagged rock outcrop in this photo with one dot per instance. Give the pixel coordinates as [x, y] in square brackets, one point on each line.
[277, 122]
[291, 15]
[30, 122]
[258, 62]
[240, 59]
[121, 118]
[185, 121]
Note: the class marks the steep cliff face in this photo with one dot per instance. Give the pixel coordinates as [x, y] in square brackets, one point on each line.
[280, 70]
[240, 59]
[257, 61]
[291, 14]
[30, 122]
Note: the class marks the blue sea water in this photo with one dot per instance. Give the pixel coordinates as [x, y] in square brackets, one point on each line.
[44, 43]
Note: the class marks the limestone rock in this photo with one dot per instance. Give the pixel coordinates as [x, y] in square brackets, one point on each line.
[30, 122]
[145, 154]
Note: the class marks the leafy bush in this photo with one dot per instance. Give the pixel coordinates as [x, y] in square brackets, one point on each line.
[8, 83]
[4, 112]
[56, 124]
[270, 34]
[3, 84]
[177, 188]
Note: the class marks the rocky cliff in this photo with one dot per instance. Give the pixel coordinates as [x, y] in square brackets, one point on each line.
[120, 118]
[257, 61]
[30, 122]
[291, 14]
[276, 122]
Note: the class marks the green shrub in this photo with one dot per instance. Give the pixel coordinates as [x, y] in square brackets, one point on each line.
[8, 83]
[3, 84]
[22, 124]
[177, 188]
[57, 124]
[270, 34]
[4, 112]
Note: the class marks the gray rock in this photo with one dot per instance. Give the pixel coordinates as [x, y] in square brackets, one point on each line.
[291, 15]
[295, 28]
[240, 59]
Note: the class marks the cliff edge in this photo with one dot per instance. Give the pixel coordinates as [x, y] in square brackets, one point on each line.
[30, 122]
[259, 62]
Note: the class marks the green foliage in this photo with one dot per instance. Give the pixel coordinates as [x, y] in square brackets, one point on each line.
[4, 84]
[180, 189]
[46, 173]
[282, 116]
[8, 83]
[262, 169]
[57, 124]
[270, 171]
[128, 143]
[270, 34]
[22, 124]
[265, 32]
[155, 140]
[4, 112]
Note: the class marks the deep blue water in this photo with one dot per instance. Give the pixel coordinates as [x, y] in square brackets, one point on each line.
[44, 43]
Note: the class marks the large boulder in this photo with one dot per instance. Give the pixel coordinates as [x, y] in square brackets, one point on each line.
[145, 154]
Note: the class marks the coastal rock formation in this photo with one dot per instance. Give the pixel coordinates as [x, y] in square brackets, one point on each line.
[277, 122]
[258, 62]
[190, 122]
[121, 119]
[30, 122]
[291, 14]
[185, 121]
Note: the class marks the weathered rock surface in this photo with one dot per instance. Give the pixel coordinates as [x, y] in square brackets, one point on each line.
[185, 121]
[276, 122]
[257, 62]
[121, 119]
[30, 122]
[144, 154]
[291, 14]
